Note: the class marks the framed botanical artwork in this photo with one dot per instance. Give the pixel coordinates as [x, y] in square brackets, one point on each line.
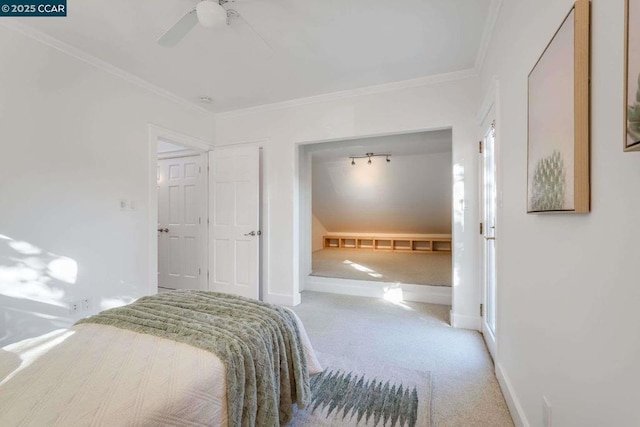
[558, 120]
[632, 77]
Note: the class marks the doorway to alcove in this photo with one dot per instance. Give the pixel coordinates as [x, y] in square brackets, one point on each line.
[380, 212]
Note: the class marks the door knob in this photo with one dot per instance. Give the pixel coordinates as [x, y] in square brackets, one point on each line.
[253, 233]
[163, 230]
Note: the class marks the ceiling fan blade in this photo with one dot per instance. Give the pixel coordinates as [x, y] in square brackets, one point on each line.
[180, 29]
[256, 32]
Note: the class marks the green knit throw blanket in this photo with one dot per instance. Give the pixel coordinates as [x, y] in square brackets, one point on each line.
[258, 343]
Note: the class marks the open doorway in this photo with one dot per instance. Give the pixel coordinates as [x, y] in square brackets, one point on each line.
[381, 216]
[158, 137]
[181, 221]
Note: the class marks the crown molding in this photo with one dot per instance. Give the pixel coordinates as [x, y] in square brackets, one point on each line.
[332, 96]
[87, 58]
[431, 80]
[487, 33]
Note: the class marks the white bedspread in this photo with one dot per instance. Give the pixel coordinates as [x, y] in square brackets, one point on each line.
[94, 375]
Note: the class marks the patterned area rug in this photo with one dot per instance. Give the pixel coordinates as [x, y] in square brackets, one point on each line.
[353, 394]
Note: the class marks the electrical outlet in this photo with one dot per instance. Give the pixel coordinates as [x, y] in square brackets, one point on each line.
[86, 304]
[75, 306]
[546, 412]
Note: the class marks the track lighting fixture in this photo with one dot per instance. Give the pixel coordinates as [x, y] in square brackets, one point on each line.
[368, 156]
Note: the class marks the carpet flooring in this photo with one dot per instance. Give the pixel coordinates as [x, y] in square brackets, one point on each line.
[465, 392]
[398, 267]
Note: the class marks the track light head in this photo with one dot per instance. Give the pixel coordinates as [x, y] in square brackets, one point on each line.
[353, 162]
[388, 159]
[369, 162]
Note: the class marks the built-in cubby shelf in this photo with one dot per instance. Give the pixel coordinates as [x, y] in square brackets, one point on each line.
[395, 244]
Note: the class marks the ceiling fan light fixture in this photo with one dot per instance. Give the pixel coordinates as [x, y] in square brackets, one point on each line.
[211, 13]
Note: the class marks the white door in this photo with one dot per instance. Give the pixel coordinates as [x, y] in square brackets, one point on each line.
[234, 210]
[180, 223]
[488, 208]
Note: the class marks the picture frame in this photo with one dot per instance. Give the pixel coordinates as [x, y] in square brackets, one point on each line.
[558, 119]
[631, 107]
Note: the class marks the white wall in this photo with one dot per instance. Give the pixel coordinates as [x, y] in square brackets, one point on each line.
[74, 141]
[441, 104]
[317, 232]
[411, 194]
[569, 285]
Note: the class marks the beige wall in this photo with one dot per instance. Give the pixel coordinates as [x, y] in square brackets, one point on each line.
[317, 231]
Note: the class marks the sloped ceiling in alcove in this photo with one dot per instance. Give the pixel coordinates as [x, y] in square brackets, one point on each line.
[410, 194]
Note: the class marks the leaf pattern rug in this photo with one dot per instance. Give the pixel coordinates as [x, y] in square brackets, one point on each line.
[352, 393]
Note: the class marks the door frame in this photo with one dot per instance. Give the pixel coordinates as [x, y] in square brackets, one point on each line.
[491, 102]
[303, 252]
[156, 133]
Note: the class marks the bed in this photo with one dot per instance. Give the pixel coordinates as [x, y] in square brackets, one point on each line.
[149, 372]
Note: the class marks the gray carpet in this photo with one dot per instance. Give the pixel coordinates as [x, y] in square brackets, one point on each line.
[465, 392]
[398, 267]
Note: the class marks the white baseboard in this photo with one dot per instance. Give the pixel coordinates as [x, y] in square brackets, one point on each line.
[517, 414]
[463, 321]
[297, 298]
[364, 288]
[282, 299]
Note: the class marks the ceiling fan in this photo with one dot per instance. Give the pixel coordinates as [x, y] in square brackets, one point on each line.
[208, 13]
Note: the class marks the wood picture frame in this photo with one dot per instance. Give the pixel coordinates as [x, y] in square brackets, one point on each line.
[631, 107]
[558, 119]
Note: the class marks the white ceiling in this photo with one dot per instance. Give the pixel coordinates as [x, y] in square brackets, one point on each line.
[411, 194]
[316, 46]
